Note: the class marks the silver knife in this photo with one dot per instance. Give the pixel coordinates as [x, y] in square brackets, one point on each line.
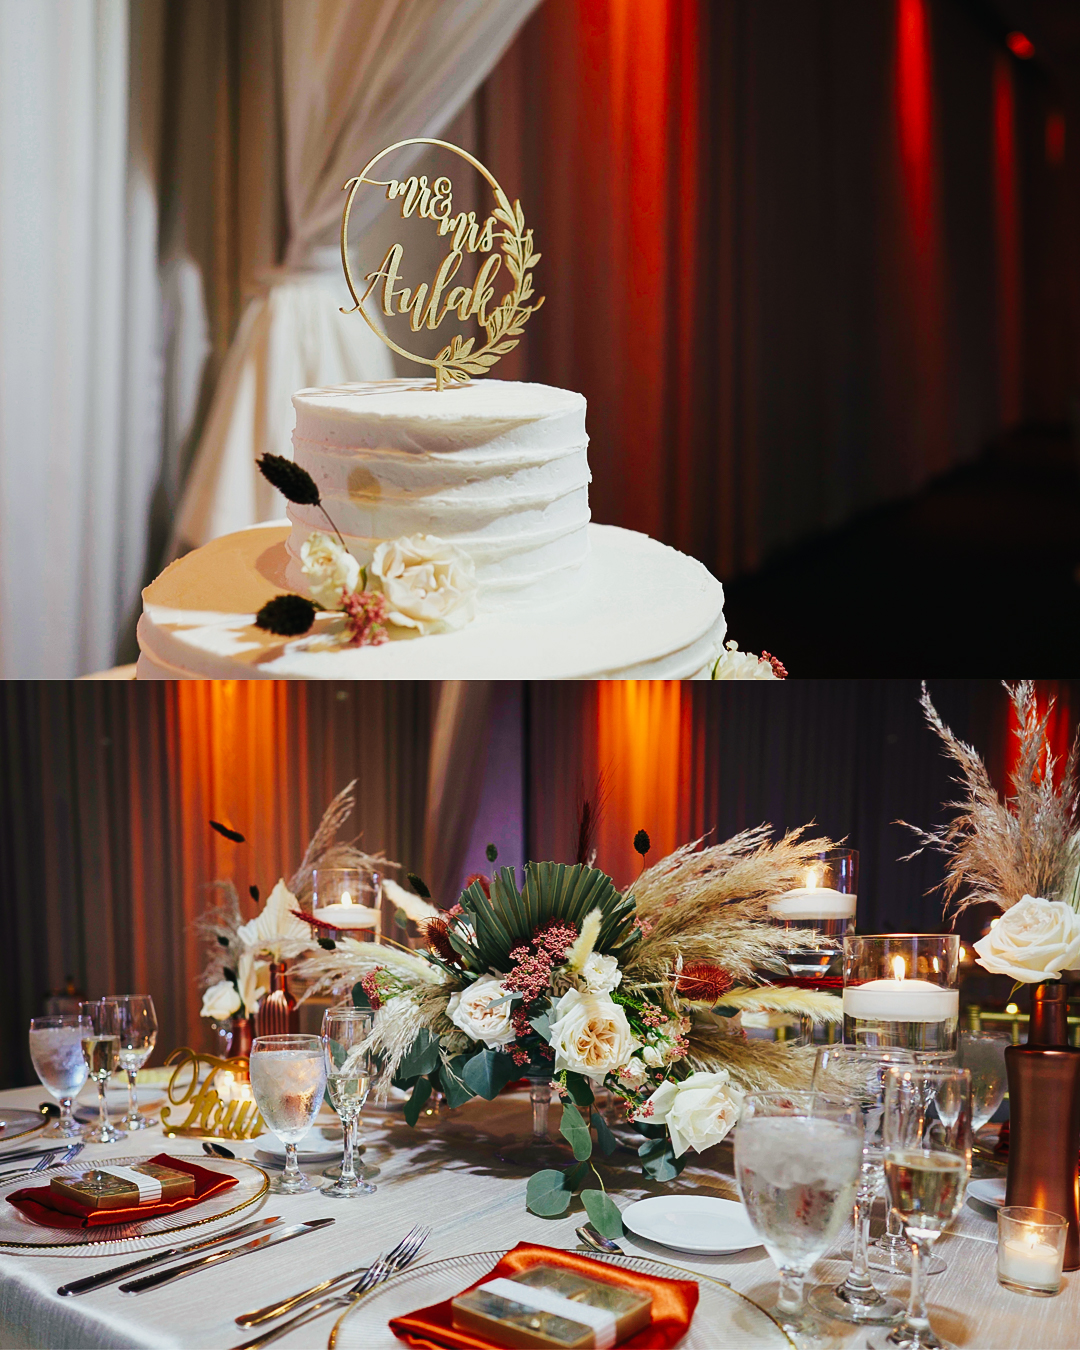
[114, 1273]
[215, 1258]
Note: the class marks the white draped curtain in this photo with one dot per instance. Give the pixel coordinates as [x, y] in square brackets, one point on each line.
[80, 375]
[355, 76]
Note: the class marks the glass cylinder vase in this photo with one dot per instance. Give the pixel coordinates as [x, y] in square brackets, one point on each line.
[825, 902]
[900, 990]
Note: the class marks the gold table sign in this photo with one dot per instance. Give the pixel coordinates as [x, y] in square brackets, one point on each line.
[428, 305]
[210, 1112]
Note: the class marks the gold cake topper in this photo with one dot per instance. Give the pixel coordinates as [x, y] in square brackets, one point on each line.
[221, 1105]
[427, 306]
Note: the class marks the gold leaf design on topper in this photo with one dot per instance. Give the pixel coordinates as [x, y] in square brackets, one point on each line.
[503, 324]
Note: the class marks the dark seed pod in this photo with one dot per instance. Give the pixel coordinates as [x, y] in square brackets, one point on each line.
[294, 483]
[286, 615]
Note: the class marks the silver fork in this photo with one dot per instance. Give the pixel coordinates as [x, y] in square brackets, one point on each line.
[380, 1270]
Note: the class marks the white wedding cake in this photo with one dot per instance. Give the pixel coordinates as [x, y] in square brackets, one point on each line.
[468, 509]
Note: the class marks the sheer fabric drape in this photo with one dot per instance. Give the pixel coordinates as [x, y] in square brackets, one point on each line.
[355, 76]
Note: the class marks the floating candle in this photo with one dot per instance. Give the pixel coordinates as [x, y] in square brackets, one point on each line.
[901, 999]
[345, 914]
[812, 902]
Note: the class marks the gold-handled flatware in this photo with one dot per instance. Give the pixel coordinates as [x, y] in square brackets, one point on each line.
[267, 1314]
[217, 1258]
[376, 1273]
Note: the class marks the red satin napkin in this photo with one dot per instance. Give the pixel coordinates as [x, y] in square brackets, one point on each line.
[44, 1206]
[673, 1307]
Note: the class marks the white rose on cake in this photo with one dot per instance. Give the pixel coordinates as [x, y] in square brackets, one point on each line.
[429, 584]
[590, 1035]
[221, 1000]
[732, 664]
[470, 1010]
[331, 570]
[698, 1112]
[1033, 940]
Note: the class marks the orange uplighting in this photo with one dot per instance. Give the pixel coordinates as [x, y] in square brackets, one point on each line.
[1055, 138]
[1020, 45]
[638, 743]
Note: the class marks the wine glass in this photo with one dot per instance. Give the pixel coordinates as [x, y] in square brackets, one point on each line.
[983, 1054]
[288, 1078]
[797, 1162]
[350, 1069]
[858, 1072]
[138, 1033]
[101, 1049]
[927, 1138]
[57, 1052]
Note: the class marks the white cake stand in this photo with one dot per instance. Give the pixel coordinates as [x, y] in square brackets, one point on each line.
[639, 610]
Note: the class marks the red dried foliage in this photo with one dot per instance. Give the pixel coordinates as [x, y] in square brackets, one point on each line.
[485, 882]
[700, 982]
[439, 942]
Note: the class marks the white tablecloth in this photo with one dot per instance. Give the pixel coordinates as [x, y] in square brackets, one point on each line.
[443, 1173]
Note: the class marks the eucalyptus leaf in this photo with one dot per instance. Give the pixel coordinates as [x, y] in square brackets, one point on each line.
[660, 1161]
[420, 1093]
[488, 1072]
[547, 1193]
[573, 1129]
[607, 1141]
[603, 1213]
[421, 1056]
[576, 1175]
[579, 1088]
[457, 1093]
[541, 1024]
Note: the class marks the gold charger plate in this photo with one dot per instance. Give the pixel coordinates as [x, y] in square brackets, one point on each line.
[723, 1317]
[18, 1233]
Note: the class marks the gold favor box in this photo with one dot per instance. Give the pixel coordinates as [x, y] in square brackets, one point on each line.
[100, 1189]
[505, 1322]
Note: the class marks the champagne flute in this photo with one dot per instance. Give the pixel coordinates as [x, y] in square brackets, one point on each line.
[138, 1033]
[288, 1078]
[858, 1071]
[101, 1048]
[57, 1052]
[797, 1162]
[927, 1138]
[350, 1069]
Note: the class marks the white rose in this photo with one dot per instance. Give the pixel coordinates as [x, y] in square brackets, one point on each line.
[471, 1010]
[221, 1000]
[601, 973]
[698, 1112]
[590, 1035]
[330, 569]
[732, 664]
[633, 1073]
[429, 584]
[653, 1056]
[1033, 940]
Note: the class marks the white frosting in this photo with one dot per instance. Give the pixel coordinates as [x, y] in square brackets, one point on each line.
[641, 611]
[497, 468]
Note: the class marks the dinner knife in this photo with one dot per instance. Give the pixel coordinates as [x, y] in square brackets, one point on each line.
[114, 1273]
[215, 1258]
[27, 1153]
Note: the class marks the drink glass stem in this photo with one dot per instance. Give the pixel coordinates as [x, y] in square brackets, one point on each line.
[103, 1114]
[790, 1299]
[348, 1171]
[67, 1105]
[858, 1281]
[540, 1096]
[292, 1167]
[133, 1098]
[917, 1317]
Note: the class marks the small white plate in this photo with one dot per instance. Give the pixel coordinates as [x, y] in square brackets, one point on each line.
[692, 1223]
[314, 1147]
[990, 1190]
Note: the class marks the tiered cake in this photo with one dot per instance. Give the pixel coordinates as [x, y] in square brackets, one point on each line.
[495, 469]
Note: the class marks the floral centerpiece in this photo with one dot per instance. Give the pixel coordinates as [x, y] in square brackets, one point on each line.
[566, 977]
[1021, 853]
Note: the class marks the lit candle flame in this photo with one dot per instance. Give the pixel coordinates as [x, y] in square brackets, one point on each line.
[346, 898]
[811, 880]
[1032, 1240]
[937, 966]
[899, 969]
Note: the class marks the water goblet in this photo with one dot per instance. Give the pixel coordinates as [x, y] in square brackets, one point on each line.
[983, 1054]
[858, 1072]
[288, 1078]
[57, 1052]
[138, 1034]
[350, 1068]
[927, 1138]
[101, 1049]
[797, 1161]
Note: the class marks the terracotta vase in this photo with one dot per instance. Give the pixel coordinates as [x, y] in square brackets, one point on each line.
[277, 1014]
[1044, 1115]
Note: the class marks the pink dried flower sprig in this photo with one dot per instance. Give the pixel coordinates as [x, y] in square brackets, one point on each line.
[365, 618]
